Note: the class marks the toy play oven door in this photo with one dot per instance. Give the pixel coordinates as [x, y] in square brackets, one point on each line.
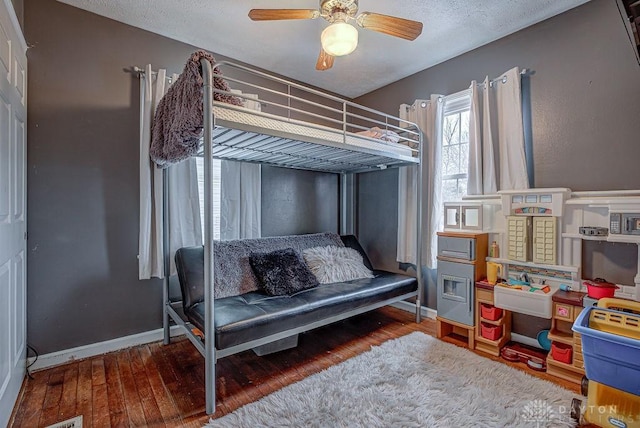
[455, 291]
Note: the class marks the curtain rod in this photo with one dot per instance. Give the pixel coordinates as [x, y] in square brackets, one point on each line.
[503, 78]
[134, 69]
[523, 72]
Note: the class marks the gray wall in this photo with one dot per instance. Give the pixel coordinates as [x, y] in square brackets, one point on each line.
[585, 95]
[83, 178]
[83, 155]
[296, 202]
[585, 109]
[18, 6]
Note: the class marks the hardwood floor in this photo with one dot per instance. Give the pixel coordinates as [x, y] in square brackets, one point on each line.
[155, 385]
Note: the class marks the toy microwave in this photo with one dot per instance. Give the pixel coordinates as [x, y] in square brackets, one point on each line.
[624, 224]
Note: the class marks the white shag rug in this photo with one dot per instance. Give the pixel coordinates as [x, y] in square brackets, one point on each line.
[413, 381]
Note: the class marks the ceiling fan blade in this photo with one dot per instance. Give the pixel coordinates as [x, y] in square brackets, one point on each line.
[278, 14]
[325, 61]
[391, 25]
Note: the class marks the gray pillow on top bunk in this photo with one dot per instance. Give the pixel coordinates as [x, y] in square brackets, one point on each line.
[282, 272]
[332, 264]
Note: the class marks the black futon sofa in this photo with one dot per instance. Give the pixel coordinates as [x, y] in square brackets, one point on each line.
[245, 317]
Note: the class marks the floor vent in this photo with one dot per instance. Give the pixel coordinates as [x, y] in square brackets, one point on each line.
[69, 423]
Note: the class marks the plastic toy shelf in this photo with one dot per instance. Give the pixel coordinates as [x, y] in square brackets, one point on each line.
[485, 296]
[556, 335]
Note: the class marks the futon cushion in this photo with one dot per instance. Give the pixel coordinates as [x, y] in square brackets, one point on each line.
[335, 264]
[282, 272]
[251, 316]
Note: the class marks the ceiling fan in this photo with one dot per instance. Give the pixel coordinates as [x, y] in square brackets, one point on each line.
[341, 38]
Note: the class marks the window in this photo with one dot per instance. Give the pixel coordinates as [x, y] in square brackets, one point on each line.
[216, 194]
[455, 146]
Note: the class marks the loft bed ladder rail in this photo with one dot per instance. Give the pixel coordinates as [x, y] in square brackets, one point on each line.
[166, 256]
[344, 103]
[209, 307]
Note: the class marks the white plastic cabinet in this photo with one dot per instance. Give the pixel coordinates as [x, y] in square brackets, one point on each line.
[517, 238]
[463, 216]
[544, 240]
[532, 239]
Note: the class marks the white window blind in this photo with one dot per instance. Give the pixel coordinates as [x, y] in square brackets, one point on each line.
[216, 194]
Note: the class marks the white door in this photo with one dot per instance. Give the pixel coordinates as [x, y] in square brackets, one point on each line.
[13, 115]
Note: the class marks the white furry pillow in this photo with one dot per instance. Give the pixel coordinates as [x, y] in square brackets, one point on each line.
[335, 264]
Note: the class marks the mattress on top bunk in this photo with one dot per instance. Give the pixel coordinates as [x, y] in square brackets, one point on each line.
[306, 131]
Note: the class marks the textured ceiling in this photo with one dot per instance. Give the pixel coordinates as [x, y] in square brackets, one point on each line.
[290, 48]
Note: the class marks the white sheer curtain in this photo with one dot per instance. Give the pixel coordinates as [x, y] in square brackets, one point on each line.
[241, 194]
[496, 135]
[150, 263]
[184, 210]
[185, 227]
[427, 114]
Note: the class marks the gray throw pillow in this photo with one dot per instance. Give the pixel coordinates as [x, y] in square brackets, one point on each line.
[282, 272]
[335, 264]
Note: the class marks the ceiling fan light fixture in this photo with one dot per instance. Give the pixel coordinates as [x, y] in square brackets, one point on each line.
[339, 39]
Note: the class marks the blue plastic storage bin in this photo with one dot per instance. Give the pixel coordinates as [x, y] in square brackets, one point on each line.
[610, 359]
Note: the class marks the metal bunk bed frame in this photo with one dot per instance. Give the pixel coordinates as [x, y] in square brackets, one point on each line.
[277, 158]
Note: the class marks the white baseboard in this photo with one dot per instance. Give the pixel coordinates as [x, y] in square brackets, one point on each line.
[86, 351]
[411, 307]
[61, 357]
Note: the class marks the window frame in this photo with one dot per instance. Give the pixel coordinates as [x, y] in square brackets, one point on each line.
[457, 103]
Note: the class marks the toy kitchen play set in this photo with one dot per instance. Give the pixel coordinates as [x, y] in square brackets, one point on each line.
[521, 252]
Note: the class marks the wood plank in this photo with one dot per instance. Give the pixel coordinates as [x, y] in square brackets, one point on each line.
[254, 384]
[232, 387]
[84, 394]
[130, 391]
[52, 398]
[150, 408]
[100, 406]
[196, 421]
[188, 391]
[169, 377]
[99, 397]
[69, 398]
[166, 406]
[29, 413]
[111, 387]
[98, 376]
[118, 415]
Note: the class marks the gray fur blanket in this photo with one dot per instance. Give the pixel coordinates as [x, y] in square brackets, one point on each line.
[233, 273]
[178, 122]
